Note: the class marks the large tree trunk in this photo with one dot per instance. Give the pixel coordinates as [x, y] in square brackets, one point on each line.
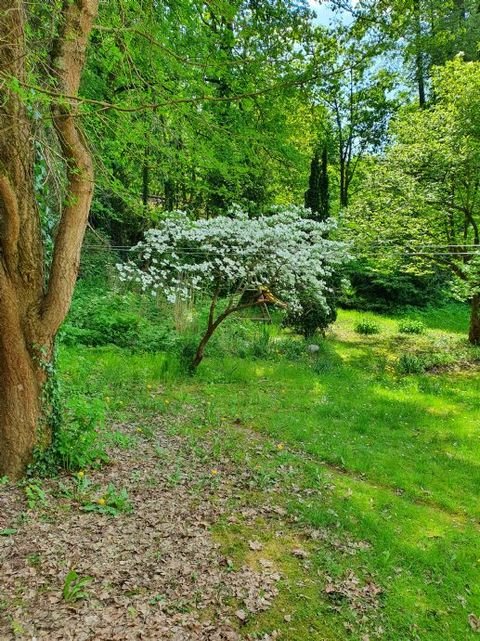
[474, 333]
[20, 389]
[32, 307]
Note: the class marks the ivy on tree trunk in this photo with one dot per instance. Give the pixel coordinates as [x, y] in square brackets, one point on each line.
[33, 303]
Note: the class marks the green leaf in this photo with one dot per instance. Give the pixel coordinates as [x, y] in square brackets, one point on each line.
[8, 532]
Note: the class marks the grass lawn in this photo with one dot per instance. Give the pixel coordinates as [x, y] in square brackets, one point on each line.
[369, 480]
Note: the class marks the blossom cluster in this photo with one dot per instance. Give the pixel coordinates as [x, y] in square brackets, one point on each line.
[286, 252]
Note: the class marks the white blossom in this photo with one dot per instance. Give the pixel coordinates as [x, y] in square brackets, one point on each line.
[286, 252]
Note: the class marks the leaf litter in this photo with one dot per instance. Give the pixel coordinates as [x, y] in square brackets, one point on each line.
[154, 574]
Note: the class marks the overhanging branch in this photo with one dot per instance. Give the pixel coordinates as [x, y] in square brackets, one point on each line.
[68, 60]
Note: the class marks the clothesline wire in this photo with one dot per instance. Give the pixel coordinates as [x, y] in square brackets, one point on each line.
[193, 252]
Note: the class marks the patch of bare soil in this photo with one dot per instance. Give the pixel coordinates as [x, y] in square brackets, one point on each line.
[156, 573]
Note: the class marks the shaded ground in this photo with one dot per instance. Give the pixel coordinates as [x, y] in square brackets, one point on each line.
[156, 573]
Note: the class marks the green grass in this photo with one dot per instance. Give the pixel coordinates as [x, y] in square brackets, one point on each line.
[348, 447]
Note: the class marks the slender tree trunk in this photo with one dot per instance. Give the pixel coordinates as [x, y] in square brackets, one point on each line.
[200, 353]
[213, 324]
[145, 181]
[419, 55]
[33, 307]
[343, 184]
[474, 332]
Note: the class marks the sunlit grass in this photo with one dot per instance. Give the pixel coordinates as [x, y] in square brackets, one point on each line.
[343, 443]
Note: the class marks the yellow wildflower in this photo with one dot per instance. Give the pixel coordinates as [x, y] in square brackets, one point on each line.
[81, 474]
[101, 501]
[214, 472]
[280, 446]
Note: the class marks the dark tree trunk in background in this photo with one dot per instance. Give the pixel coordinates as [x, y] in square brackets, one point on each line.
[344, 183]
[145, 181]
[474, 332]
[312, 195]
[170, 194]
[324, 211]
[419, 55]
[461, 9]
[317, 196]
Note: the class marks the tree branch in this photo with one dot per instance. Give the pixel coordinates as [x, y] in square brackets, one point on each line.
[68, 59]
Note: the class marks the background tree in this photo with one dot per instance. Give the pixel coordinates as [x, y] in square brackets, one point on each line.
[419, 33]
[359, 99]
[203, 155]
[424, 195]
[317, 196]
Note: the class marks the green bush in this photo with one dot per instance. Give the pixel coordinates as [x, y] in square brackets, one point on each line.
[411, 327]
[372, 289]
[260, 345]
[186, 348]
[128, 320]
[411, 364]
[313, 316]
[367, 327]
[103, 324]
[419, 363]
[293, 349]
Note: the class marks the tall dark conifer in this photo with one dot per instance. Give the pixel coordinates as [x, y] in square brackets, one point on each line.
[324, 186]
[317, 196]
[312, 195]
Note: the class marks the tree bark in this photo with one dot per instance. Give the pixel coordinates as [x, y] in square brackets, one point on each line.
[198, 358]
[474, 332]
[20, 390]
[31, 311]
[343, 183]
[419, 55]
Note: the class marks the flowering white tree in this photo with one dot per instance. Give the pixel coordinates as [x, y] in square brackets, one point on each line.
[273, 257]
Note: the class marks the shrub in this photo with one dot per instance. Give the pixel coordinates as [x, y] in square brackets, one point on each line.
[313, 315]
[186, 348]
[419, 363]
[367, 327]
[225, 258]
[410, 364]
[411, 327]
[292, 348]
[372, 289]
[129, 320]
[260, 345]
